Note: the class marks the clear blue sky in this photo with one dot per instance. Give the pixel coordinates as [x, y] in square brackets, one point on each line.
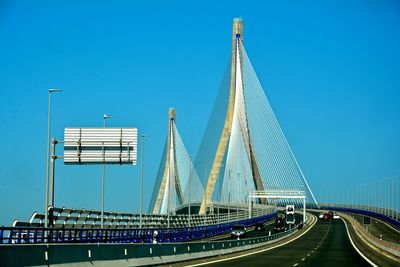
[331, 70]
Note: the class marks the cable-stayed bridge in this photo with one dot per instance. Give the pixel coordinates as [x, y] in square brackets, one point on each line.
[242, 172]
[244, 149]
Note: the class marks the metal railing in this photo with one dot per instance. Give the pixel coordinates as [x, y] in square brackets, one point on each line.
[390, 213]
[137, 254]
[389, 217]
[81, 218]
[37, 235]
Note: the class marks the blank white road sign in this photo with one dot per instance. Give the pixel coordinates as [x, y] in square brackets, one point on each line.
[100, 145]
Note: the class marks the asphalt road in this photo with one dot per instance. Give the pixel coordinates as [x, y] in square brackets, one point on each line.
[326, 244]
[269, 227]
[374, 254]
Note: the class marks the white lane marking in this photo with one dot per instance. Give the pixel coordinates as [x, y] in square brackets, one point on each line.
[359, 252]
[308, 255]
[294, 265]
[255, 252]
[303, 259]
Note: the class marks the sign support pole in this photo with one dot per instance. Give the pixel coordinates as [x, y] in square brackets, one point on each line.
[52, 170]
[102, 187]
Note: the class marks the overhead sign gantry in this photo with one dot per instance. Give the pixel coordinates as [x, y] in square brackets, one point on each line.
[279, 194]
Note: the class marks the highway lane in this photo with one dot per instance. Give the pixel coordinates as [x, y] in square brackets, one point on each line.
[269, 228]
[376, 255]
[327, 244]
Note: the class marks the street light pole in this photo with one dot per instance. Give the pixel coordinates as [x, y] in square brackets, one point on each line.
[171, 149]
[190, 192]
[48, 155]
[387, 196]
[105, 117]
[219, 191]
[237, 196]
[229, 195]
[205, 199]
[141, 181]
[397, 196]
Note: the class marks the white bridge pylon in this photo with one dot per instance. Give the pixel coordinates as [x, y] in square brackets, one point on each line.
[243, 150]
[252, 152]
[177, 182]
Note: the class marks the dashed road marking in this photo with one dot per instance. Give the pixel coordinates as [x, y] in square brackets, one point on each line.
[255, 252]
[294, 265]
[303, 259]
[308, 255]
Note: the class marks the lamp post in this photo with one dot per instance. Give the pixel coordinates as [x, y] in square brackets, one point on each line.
[48, 155]
[382, 195]
[387, 188]
[190, 192]
[229, 195]
[205, 199]
[171, 149]
[393, 193]
[141, 180]
[397, 196]
[237, 196]
[219, 191]
[105, 117]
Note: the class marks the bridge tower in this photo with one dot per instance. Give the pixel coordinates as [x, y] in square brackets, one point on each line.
[169, 170]
[250, 151]
[177, 182]
[235, 106]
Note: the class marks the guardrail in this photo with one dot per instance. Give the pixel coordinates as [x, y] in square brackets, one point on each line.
[128, 254]
[82, 218]
[29, 235]
[389, 212]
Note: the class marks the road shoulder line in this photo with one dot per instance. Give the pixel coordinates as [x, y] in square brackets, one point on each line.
[358, 251]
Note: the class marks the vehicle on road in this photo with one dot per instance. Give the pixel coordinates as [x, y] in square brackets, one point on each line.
[328, 215]
[238, 231]
[279, 225]
[259, 226]
[325, 216]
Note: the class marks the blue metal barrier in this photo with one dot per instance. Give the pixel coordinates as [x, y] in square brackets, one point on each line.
[86, 253]
[30, 235]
